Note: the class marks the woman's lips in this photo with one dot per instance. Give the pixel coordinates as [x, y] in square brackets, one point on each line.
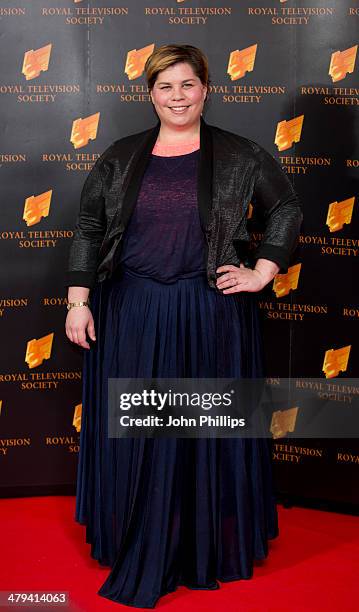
[178, 110]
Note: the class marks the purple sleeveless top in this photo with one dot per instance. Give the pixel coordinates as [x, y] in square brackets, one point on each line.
[163, 238]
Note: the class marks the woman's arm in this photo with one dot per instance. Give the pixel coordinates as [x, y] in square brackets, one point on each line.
[78, 294]
[79, 318]
[83, 257]
[89, 231]
[234, 279]
[280, 209]
[267, 270]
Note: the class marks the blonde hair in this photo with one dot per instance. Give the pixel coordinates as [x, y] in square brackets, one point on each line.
[167, 55]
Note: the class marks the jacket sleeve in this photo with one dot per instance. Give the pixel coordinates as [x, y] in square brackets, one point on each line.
[279, 207]
[89, 231]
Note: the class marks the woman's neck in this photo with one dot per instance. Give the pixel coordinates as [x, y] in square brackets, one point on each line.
[174, 149]
[168, 136]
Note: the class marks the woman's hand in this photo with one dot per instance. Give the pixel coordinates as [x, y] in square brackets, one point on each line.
[236, 279]
[78, 320]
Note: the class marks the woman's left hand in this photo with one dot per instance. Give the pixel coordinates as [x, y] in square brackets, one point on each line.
[240, 279]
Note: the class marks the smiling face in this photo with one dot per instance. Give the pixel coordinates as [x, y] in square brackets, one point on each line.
[178, 96]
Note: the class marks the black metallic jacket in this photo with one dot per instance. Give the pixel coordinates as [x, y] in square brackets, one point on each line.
[233, 172]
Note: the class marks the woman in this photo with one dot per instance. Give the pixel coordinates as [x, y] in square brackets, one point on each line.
[161, 243]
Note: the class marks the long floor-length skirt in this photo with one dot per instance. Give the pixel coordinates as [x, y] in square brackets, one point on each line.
[164, 512]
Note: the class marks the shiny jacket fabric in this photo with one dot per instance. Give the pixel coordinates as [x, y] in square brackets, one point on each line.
[233, 171]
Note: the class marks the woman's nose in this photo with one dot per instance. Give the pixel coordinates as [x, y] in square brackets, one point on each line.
[177, 93]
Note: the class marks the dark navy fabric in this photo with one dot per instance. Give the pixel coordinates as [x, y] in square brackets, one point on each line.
[171, 511]
[164, 238]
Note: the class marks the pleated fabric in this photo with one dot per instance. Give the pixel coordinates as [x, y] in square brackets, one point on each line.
[171, 511]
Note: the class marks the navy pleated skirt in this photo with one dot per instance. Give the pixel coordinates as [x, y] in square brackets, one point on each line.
[166, 512]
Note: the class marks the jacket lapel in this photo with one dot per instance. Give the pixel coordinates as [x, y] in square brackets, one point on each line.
[135, 179]
[205, 174]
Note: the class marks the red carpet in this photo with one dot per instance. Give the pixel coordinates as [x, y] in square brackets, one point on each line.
[312, 566]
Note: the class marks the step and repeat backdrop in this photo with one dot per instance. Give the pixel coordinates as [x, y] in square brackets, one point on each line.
[284, 73]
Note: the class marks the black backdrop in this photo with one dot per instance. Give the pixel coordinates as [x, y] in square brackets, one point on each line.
[64, 61]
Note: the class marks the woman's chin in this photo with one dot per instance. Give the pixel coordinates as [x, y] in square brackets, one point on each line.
[184, 120]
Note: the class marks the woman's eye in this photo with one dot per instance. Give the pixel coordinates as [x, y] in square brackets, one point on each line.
[187, 85]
